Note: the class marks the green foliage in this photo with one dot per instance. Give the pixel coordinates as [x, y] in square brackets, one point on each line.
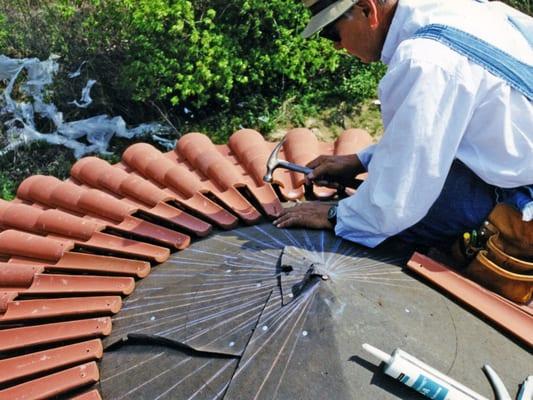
[176, 52]
[7, 187]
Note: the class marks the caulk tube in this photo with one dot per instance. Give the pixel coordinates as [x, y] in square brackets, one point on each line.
[526, 391]
[421, 377]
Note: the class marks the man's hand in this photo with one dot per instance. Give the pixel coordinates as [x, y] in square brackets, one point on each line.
[335, 171]
[305, 215]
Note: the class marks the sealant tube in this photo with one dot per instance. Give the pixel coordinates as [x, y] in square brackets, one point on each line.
[526, 391]
[421, 377]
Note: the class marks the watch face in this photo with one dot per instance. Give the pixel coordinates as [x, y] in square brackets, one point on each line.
[332, 213]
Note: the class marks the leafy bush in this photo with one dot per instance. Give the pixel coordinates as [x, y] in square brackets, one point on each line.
[178, 52]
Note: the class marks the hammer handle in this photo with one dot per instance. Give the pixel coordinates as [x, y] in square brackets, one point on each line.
[294, 167]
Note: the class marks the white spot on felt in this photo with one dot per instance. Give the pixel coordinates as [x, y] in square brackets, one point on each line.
[231, 344]
[305, 333]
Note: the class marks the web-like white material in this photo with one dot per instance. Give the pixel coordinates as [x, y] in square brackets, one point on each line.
[91, 135]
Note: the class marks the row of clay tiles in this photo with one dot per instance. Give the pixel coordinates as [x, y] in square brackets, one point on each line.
[70, 250]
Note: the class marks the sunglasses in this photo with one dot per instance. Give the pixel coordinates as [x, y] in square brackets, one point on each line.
[330, 31]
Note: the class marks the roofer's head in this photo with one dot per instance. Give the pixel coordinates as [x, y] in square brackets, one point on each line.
[359, 26]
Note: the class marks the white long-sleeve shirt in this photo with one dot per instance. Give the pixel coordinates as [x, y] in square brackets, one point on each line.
[438, 106]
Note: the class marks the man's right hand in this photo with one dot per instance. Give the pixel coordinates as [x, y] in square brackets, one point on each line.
[335, 171]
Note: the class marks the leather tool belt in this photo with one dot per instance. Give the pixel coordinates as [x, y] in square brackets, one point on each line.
[500, 256]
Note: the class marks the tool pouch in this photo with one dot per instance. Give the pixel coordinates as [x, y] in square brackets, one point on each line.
[505, 265]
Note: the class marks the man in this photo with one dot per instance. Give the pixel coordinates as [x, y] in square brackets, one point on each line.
[458, 135]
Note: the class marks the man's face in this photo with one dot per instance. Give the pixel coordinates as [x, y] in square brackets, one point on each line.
[359, 33]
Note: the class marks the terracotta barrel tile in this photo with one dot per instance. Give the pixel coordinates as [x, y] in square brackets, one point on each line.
[351, 141]
[61, 223]
[92, 395]
[66, 195]
[143, 190]
[152, 164]
[49, 360]
[138, 156]
[251, 150]
[240, 206]
[37, 188]
[203, 155]
[27, 336]
[82, 284]
[19, 216]
[101, 264]
[25, 310]
[154, 232]
[183, 181]
[16, 243]
[90, 169]
[505, 314]
[5, 300]
[100, 203]
[17, 276]
[35, 220]
[184, 221]
[127, 247]
[52, 385]
[301, 146]
[212, 211]
[100, 174]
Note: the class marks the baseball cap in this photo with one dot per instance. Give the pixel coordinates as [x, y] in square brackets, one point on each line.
[324, 12]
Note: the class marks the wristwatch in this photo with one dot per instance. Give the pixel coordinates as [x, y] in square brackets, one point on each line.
[332, 215]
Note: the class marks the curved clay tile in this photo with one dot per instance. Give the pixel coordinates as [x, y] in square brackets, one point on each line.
[351, 141]
[59, 284]
[25, 310]
[17, 276]
[95, 264]
[29, 336]
[129, 248]
[202, 154]
[16, 243]
[62, 223]
[99, 203]
[100, 174]
[49, 360]
[252, 151]
[183, 184]
[55, 384]
[53, 222]
[19, 216]
[35, 220]
[37, 188]
[302, 155]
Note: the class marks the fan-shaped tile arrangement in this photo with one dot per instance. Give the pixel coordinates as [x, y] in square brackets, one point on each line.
[71, 250]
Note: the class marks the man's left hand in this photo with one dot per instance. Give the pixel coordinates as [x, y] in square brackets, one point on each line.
[305, 215]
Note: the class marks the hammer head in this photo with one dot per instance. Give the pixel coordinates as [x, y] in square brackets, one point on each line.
[273, 162]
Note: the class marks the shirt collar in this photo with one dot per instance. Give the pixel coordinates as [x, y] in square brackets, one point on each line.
[407, 19]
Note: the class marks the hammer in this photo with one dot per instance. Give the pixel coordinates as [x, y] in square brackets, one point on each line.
[274, 162]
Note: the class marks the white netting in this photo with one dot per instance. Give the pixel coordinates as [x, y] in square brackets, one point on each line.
[91, 135]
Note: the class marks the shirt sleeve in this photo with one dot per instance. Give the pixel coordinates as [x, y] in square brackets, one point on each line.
[425, 111]
[365, 155]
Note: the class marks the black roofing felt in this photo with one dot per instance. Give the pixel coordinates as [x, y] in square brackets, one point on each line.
[262, 313]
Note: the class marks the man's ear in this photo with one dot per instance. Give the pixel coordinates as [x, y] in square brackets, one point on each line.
[370, 10]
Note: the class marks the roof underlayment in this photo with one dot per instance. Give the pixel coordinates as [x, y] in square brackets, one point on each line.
[161, 277]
